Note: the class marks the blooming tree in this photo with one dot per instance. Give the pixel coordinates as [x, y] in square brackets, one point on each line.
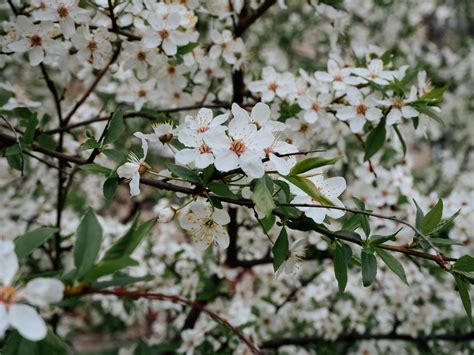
[179, 177]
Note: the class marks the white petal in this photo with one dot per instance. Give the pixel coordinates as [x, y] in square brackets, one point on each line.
[8, 262]
[409, 112]
[27, 321]
[128, 170]
[221, 217]
[316, 214]
[280, 164]
[19, 46]
[334, 186]
[169, 47]
[346, 113]
[357, 124]
[135, 185]
[36, 55]
[252, 165]
[185, 156]
[373, 114]
[240, 113]
[260, 113]
[43, 291]
[394, 116]
[226, 160]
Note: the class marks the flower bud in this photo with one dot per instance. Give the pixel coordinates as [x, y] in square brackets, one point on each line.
[143, 168]
[166, 215]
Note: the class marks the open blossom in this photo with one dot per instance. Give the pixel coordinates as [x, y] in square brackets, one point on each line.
[273, 84]
[206, 225]
[226, 46]
[66, 12]
[330, 188]
[166, 30]
[141, 58]
[400, 108]
[340, 77]
[360, 110]
[135, 167]
[314, 105]
[191, 135]
[139, 93]
[14, 310]
[243, 147]
[93, 47]
[33, 39]
[375, 73]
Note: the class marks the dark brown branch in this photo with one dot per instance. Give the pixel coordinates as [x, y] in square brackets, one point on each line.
[246, 22]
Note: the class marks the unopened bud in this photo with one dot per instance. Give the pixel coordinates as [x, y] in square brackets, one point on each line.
[166, 215]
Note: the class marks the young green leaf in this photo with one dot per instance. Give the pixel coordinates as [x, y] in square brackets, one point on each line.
[26, 243]
[88, 241]
[262, 195]
[432, 218]
[420, 216]
[108, 267]
[116, 127]
[369, 267]
[311, 163]
[95, 168]
[280, 249]
[130, 241]
[221, 189]
[184, 173]
[463, 289]
[464, 264]
[393, 264]
[375, 140]
[110, 187]
[342, 256]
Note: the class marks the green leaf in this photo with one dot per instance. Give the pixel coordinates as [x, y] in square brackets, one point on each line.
[445, 242]
[280, 249]
[432, 218]
[95, 168]
[14, 157]
[262, 195]
[88, 241]
[130, 241]
[380, 239]
[363, 218]
[221, 189]
[310, 188]
[184, 173]
[110, 187]
[393, 264]
[115, 155]
[375, 140]
[187, 48]
[420, 216]
[268, 222]
[464, 264]
[121, 281]
[430, 113]
[46, 141]
[342, 256]
[435, 96]
[369, 267]
[311, 163]
[108, 267]
[25, 244]
[116, 127]
[463, 289]
[90, 143]
[30, 131]
[445, 223]
[4, 97]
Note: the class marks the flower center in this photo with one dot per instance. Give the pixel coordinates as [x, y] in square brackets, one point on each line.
[208, 71]
[238, 146]
[36, 40]
[202, 129]
[210, 223]
[304, 128]
[63, 11]
[273, 87]
[177, 95]
[361, 109]
[92, 46]
[141, 56]
[171, 70]
[166, 138]
[141, 93]
[204, 148]
[7, 295]
[143, 168]
[164, 34]
[316, 106]
[337, 78]
[398, 104]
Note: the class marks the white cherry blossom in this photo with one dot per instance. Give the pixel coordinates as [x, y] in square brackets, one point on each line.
[375, 72]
